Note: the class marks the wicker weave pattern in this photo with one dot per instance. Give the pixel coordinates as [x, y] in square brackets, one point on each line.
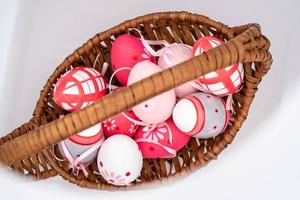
[27, 149]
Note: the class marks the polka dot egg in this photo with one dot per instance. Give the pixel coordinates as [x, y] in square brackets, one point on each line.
[126, 51]
[147, 111]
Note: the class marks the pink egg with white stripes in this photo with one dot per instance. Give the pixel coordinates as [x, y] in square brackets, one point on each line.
[201, 115]
[162, 140]
[79, 88]
[126, 51]
[119, 160]
[158, 108]
[173, 55]
[223, 81]
[86, 142]
[120, 124]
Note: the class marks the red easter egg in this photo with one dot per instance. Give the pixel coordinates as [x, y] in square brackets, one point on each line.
[79, 88]
[224, 81]
[120, 124]
[162, 141]
[126, 51]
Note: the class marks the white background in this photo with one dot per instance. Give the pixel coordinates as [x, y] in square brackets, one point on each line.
[263, 161]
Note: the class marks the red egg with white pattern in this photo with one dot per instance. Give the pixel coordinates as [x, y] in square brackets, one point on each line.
[222, 82]
[121, 124]
[79, 88]
[126, 51]
[161, 140]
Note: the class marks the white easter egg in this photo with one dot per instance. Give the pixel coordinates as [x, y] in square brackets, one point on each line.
[201, 115]
[119, 160]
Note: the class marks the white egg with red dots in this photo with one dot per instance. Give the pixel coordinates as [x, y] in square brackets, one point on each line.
[119, 160]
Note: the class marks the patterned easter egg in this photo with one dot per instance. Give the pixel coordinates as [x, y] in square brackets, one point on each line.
[158, 108]
[173, 55]
[201, 115]
[119, 160]
[120, 124]
[88, 140]
[78, 88]
[223, 81]
[162, 140]
[126, 51]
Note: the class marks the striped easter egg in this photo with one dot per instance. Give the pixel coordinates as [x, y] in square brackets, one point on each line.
[222, 82]
[79, 88]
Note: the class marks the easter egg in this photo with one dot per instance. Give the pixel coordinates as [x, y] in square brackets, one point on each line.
[163, 104]
[173, 55]
[126, 51]
[119, 160]
[79, 88]
[201, 115]
[83, 147]
[120, 124]
[161, 141]
[223, 81]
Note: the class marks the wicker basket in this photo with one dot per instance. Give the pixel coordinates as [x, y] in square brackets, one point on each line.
[28, 149]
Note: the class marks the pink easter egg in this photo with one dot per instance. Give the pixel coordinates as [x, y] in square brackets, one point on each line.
[126, 51]
[173, 55]
[79, 88]
[201, 115]
[223, 81]
[161, 141]
[120, 124]
[156, 109]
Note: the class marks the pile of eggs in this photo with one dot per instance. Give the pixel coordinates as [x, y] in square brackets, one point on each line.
[156, 128]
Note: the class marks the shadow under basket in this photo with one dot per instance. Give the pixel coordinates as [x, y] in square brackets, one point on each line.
[29, 148]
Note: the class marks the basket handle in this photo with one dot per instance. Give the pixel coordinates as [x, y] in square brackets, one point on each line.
[234, 51]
